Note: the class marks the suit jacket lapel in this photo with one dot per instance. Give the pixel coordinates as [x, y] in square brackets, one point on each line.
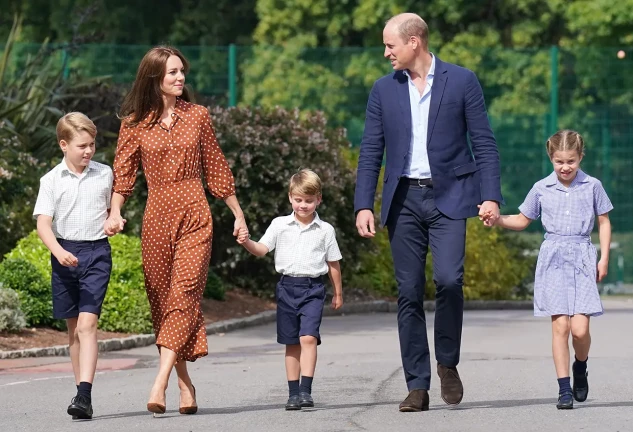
[402, 89]
[437, 90]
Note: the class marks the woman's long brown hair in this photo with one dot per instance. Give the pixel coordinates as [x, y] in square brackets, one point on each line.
[146, 98]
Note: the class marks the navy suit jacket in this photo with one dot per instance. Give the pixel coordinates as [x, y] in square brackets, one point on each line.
[457, 109]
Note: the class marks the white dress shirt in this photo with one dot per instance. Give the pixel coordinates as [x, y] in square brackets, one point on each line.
[78, 203]
[301, 251]
[417, 162]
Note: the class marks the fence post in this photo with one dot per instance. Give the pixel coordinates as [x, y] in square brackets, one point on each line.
[553, 102]
[606, 151]
[232, 75]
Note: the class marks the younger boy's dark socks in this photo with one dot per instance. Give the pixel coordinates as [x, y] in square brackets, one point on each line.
[293, 388]
[84, 389]
[306, 384]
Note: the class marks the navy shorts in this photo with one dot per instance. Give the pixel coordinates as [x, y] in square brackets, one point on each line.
[299, 308]
[82, 288]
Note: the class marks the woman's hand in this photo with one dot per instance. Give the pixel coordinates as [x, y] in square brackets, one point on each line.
[239, 228]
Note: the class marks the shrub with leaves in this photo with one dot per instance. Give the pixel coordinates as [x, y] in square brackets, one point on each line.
[11, 316]
[32, 288]
[125, 308]
[214, 288]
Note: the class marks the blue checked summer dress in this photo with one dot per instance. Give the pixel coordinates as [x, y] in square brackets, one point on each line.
[565, 280]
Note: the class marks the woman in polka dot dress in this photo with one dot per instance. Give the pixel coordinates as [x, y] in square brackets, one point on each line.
[175, 142]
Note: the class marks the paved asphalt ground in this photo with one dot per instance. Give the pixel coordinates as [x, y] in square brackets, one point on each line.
[506, 367]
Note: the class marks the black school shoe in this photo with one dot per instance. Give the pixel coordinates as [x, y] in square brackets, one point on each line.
[305, 400]
[565, 401]
[580, 388]
[294, 403]
[80, 408]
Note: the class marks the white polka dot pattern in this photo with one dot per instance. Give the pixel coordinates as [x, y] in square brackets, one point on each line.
[177, 225]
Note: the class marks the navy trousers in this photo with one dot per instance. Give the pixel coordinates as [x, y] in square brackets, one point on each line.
[414, 224]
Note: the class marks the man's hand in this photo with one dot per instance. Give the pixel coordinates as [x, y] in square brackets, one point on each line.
[489, 212]
[365, 223]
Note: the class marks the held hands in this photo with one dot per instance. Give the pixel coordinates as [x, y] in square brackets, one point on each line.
[337, 301]
[243, 236]
[113, 225]
[67, 259]
[240, 230]
[603, 269]
[488, 213]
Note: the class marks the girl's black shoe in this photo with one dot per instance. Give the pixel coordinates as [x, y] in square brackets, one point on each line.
[565, 401]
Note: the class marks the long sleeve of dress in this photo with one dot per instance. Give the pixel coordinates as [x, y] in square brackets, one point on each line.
[216, 169]
[126, 161]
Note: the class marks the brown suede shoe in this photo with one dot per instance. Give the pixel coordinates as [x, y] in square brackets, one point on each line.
[452, 388]
[418, 400]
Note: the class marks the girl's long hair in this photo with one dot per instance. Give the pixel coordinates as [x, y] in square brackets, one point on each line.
[146, 98]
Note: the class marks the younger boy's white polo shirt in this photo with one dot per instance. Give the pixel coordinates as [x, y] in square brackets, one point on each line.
[78, 203]
[301, 251]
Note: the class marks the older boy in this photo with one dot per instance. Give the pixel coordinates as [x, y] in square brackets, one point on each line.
[71, 209]
[305, 249]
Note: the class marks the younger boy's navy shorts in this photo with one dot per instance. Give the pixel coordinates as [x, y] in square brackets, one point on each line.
[82, 288]
[299, 308]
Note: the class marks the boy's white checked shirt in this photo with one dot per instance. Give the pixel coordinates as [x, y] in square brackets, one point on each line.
[301, 252]
[78, 203]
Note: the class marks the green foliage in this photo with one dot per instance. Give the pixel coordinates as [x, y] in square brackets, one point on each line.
[31, 249]
[214, 288]
[11, 316]
[32, 288]
[183, 22]
[125, 308]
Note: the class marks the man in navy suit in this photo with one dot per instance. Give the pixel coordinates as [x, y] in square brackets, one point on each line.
[422, 114]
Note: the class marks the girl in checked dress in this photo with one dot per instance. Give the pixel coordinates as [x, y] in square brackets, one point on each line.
[568, 202]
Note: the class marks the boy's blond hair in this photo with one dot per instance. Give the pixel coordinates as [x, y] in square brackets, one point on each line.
[72, 123]
[305, 182]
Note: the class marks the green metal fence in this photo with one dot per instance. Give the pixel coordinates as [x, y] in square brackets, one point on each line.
[530, 93]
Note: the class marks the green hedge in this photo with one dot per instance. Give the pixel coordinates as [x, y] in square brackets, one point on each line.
[11, 316]
[125, 308]
[33, 291]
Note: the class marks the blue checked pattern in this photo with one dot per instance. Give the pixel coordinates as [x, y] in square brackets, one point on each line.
[565, 280]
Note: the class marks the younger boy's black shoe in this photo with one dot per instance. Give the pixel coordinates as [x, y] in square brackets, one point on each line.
[80, 408]
[294, 403]
[580, 387]
[565, 401]
[305, 400]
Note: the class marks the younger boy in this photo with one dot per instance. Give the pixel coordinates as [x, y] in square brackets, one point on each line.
[71, 209]
[305, 249]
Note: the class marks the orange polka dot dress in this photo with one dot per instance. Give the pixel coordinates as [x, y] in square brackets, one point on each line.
[177, 226]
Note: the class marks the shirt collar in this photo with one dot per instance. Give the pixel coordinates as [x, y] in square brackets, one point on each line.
[581, 177]
[290, 220]
[431, 72]
[66, 170]
[181, 110]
